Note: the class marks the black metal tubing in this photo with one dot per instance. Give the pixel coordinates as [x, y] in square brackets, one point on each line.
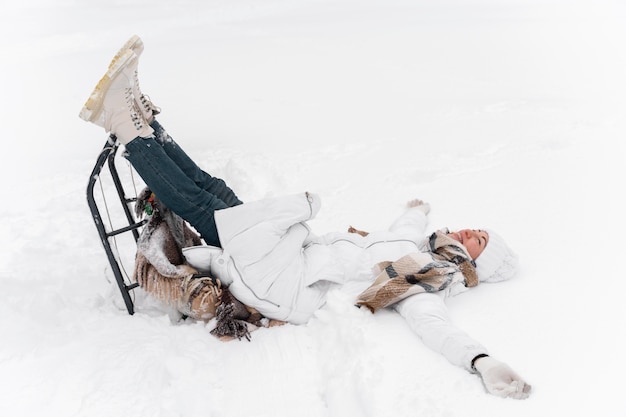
[122, 195]
[108, 154]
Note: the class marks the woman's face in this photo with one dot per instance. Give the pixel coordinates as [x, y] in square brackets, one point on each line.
[475, 241]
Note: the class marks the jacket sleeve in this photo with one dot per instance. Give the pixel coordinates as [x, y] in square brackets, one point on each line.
[411, 223]
[428, 317]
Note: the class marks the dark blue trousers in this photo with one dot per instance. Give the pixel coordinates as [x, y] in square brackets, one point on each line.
[179, 183]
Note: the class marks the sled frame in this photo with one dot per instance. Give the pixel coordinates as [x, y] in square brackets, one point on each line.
[107, 157]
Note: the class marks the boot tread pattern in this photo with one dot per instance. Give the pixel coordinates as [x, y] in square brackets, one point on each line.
[92, 109]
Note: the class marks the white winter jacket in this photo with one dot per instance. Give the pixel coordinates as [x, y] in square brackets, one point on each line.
[273, 262]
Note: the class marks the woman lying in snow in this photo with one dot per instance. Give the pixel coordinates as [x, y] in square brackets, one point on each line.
[272, 262]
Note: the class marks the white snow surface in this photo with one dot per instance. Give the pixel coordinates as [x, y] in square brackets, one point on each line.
[506, 114]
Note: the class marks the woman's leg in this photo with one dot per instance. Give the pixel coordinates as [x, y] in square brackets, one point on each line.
[174, 188]
[213, 185]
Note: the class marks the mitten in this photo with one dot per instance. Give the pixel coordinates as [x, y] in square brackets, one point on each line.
[500, 379]
[417, 203]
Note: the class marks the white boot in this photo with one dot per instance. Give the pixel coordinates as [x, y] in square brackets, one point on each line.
[112, 103]
[146, 106]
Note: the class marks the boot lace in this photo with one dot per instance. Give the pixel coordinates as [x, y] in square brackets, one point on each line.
[144, 100]
[135, 114]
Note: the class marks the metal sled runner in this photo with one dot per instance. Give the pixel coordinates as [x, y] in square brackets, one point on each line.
[107, 237]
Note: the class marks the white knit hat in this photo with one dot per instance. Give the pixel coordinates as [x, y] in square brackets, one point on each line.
[497, 262]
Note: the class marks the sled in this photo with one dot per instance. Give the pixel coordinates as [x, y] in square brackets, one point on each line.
[108, 234]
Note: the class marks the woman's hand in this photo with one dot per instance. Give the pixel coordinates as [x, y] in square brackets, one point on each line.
[501, 380]
[417, 203]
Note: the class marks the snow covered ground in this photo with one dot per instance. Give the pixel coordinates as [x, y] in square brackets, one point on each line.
[501, 113]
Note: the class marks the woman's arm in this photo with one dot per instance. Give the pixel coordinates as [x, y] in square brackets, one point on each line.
[427, 315]
[413, 221]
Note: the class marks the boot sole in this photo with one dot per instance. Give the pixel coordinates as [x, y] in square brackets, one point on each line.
[92, 109]
[134, 43]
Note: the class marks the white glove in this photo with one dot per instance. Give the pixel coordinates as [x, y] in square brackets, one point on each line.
[500, 379]
[422, 205]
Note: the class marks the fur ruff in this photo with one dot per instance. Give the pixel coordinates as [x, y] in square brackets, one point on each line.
[160, 269]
